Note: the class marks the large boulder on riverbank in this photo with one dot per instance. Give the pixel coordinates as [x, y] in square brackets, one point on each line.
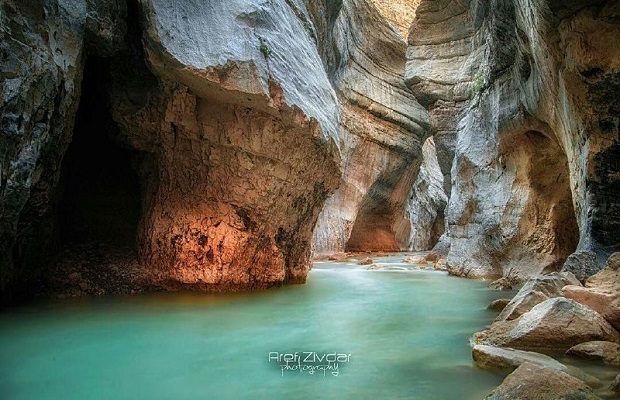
[502, 359]
[536, 290]
[534, 382]
[553, 325]
[605, 352]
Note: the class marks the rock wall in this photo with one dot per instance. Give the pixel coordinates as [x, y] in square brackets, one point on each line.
[240, 117]
[43, 46]
[383, 128]
[243, 131]
[532, 86]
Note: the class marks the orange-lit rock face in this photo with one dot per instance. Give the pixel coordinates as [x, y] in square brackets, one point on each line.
[235, 195]
[383, 128]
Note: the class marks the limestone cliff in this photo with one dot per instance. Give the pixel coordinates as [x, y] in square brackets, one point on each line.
[216, 130]
[383, 127]
[528, 92]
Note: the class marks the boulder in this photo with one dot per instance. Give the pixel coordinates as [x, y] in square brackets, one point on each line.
[534, 382]
[414, 260]
[582, 264]
[503, 283]
[498, 304]
[365, 261]
[338, 257]
[605, 352]
[500, 359]
[604, 302]
[554, 325]
[433, 257]
[536, 290]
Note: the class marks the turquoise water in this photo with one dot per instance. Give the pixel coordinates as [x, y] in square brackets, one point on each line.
[406, 332]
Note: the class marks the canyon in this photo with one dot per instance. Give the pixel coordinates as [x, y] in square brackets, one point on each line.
[223, 146]
[302, 128]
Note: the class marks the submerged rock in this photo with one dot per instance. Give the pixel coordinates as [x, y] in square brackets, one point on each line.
[499, 359]
[535, 382]
[536, 290]
[420, 260]
[605, 352]
[554, 325]
[365, 261]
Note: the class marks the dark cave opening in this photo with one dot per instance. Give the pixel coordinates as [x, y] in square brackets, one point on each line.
[101, 192]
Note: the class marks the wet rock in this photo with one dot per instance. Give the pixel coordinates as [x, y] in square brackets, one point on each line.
[605, 352]
[504, 283]
[582, 264]
[534, 382]
[441, 265]
[554, 325]
[433, 257]
[365, 261]
[418, 260]
[498, 304]
[374, 267]
[339, 257]
[501, 359]
[536, 290]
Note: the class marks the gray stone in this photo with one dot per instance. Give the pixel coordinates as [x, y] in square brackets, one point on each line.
[582, 264]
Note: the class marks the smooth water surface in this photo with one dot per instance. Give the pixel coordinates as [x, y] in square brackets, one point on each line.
[407, 333]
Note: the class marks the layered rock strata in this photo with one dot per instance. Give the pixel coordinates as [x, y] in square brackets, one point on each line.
[528, 90]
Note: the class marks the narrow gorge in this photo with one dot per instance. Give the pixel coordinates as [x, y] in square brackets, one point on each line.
[203, 148]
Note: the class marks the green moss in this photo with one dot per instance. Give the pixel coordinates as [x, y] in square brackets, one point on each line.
[477, 83]
[264, 48]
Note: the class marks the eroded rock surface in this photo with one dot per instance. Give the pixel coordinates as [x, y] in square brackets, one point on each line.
[522, 94]
[241, 118]
[383, 128]
[554, 325]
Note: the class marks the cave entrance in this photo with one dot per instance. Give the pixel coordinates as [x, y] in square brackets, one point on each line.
[101, 197]
[541, 200]
[372, 230]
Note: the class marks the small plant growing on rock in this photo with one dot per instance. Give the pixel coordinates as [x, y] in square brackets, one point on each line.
[264, 48]
[477, 83]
